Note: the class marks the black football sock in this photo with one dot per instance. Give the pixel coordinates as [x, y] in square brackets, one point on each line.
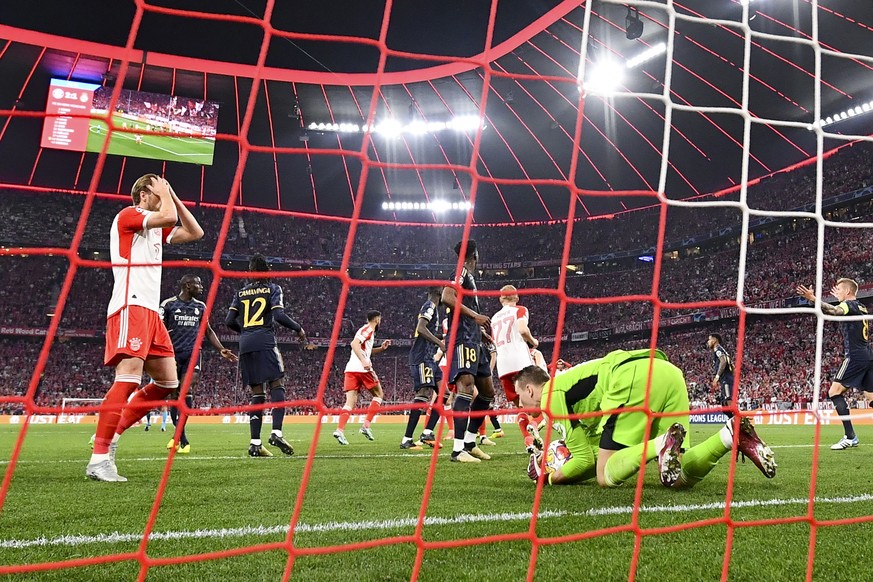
[495, 422]
[256, 416]
[183, 438]
[174, 415]
[728, 413]
[278, 395]
[414, 415]
[461, 409]
[842, 408]
[479, 404]
[432, 420]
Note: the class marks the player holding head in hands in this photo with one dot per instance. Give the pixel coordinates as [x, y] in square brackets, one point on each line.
[136, 338]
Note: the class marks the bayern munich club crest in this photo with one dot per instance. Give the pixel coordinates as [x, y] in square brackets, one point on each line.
[135, 343]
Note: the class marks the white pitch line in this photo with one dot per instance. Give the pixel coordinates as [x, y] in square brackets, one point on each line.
[423, 455]
[188, 459]
[404, 522]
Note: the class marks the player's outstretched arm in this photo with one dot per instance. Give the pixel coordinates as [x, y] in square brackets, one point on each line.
[282, 318]
[190, 230]
[826, 308]
[226, 353]
[385, 345]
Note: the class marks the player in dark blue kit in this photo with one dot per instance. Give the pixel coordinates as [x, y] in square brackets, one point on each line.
[857, 368]
[183, 315]
[471, 362]
[259, 304]
[723, 369]
[426, 374]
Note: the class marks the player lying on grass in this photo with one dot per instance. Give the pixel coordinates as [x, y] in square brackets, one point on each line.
[609, 447]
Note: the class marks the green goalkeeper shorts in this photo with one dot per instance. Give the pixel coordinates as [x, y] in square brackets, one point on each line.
[668, 395]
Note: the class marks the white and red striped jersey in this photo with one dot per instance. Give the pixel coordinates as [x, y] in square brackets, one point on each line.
[513, 353]
[365, 335]
[539, 359]
[442, 362]
[131, 243]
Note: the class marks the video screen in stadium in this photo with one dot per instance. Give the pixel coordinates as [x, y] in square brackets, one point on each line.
[186, 126]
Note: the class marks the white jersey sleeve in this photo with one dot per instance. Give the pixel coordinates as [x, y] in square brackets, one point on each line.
[365, 337]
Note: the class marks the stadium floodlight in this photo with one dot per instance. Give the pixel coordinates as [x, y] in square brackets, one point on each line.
[417, 127]
[393, 128]
[843, 115]
[647, 55]
[432, 206]
[604, 77]
[465, 123]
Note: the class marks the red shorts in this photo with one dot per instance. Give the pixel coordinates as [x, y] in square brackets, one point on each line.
[509, 387]
[136, 332]
[356, 380]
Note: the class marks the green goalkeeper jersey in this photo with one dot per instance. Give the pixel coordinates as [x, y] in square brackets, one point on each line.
[588, 388]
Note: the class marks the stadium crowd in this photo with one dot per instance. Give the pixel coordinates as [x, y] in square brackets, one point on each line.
[775, 370]
[52, 220]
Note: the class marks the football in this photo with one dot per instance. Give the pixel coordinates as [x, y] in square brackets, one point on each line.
[556, 455]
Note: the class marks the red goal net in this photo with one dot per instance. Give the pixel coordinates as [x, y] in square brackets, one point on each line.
[635, 205]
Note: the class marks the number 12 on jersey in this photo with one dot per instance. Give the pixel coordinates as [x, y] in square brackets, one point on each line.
[253, 311]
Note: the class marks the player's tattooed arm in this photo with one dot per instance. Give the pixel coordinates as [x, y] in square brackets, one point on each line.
[826, 308]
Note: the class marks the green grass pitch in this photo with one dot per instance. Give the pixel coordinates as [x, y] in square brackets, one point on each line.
[217, 498]
[161, 147]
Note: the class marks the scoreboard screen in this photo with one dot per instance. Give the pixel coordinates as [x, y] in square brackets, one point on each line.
[144, 125]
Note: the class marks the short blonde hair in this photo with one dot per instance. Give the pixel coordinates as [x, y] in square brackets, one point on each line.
[508, 294]
[143, 183]
[851, 283]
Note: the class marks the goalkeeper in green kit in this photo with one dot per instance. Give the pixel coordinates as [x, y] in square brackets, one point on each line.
[609, 447]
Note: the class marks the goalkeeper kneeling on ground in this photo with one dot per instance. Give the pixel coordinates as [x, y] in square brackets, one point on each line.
[609, 447]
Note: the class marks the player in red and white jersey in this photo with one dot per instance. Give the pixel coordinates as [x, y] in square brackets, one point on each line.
[360, 374]
[136, 338]
[513, 340]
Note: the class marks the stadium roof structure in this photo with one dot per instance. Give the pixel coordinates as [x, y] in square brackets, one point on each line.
[529, 121]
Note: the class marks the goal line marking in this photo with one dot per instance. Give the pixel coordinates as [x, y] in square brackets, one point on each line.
[404, 522]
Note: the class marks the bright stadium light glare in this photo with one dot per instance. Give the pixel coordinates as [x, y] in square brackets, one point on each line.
[465, 123]
[390, 128]
[438, 206]
[647, 55]
[604, 77]
[313, 125]
[417, 128]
